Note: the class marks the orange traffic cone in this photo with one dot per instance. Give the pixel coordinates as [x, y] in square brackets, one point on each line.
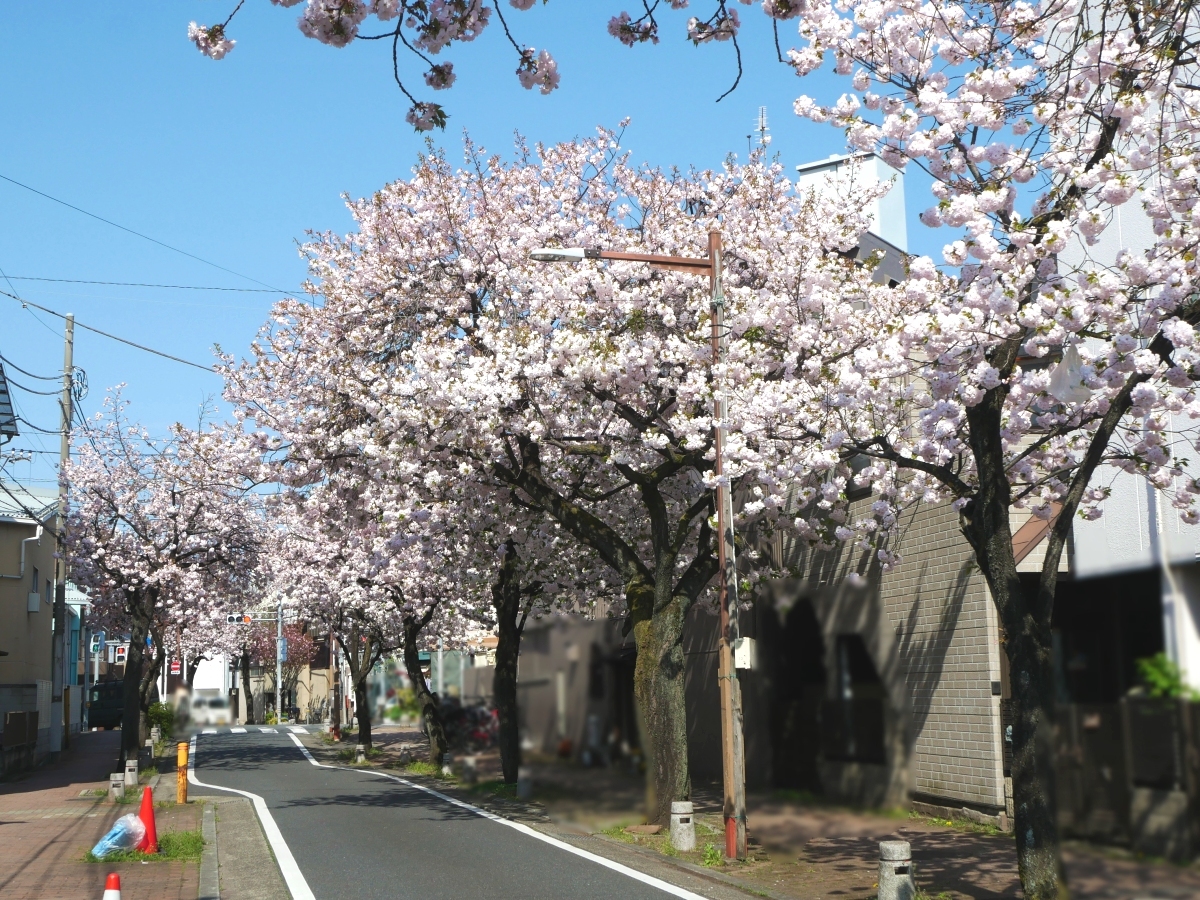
[112, 887]
[149, 843]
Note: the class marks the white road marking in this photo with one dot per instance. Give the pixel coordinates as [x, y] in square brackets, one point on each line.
[296, 729]
[209, 731]
[292, 875]
[524, 829]
[267, 730]
[237, 730]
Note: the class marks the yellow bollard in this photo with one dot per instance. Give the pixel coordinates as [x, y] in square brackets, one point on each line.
[181, 772]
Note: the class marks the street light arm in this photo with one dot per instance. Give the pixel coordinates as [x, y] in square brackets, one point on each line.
[694, 265]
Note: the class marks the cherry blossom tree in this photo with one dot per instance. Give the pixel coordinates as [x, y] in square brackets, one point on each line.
[301, 650]
[159, 531]
[1042, 125]
[586, 392]
[421, 29]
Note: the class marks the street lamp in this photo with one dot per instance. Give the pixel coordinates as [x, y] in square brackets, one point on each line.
[732, 749]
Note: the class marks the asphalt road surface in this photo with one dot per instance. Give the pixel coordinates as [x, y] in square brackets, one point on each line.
[351, 833]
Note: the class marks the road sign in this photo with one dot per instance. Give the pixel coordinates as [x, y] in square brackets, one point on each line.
[282, 649]
[176, 667]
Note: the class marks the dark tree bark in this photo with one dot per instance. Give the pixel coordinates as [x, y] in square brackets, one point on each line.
[363, 651]
[140, 607]
[192, 666]
[431, 716]
[247, 696]
[511, 614]
[658, 599]
[148, 686]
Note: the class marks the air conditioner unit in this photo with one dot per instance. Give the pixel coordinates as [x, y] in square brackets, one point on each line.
[34, 603]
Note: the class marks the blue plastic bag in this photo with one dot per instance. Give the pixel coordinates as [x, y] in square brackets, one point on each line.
[126, 834]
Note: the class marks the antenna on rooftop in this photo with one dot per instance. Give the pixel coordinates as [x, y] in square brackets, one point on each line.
[764, 137]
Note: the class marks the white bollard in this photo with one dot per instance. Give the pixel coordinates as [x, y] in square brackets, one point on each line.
[470, 770]
[116, 786]
[895, 871]
[360, 753]
[131, 772]
[524, 782]
[683, 828]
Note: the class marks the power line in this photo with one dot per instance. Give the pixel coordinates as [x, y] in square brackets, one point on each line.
[29, 390]
[113, 337]
[177, 287]
[144, 237]
[37, 428]
[8, 361]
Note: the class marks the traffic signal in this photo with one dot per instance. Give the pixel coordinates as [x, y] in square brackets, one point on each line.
[238, 619]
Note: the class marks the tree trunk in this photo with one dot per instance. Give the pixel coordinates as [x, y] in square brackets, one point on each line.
[247, 696]
[431, 716]
[658, 688]
[192, 666]
[1025, 616]
[131, 717]
[362, 712]
[506, 599]
[148, 690]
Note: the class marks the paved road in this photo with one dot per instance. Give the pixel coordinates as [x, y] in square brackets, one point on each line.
[352, 833]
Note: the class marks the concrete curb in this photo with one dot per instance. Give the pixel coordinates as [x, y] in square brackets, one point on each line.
[210, 886]
[700, 871]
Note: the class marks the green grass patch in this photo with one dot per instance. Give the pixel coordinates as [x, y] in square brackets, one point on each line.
[495, 787]
[148, 773]
[172, 845]
[712, 856]
[348, 754]
[618, 831]
[959, 824]
[428, 769]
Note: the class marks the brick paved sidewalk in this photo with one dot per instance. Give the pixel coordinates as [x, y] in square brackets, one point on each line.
[48, 823]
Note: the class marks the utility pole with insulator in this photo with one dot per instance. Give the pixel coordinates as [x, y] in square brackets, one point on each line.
[59, 728]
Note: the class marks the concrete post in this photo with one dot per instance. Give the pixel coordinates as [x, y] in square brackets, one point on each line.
[683, 828]
[895, 871]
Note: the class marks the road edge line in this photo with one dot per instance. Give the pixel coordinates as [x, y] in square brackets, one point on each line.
[650, 880]
[292, 876]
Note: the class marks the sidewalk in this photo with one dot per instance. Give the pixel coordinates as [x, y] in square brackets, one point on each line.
[50, 818]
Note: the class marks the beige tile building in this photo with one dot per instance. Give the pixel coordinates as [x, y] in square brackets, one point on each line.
[27, 517]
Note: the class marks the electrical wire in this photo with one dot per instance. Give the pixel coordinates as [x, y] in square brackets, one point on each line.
[30, 390]
[4, 359]
[113, 337]
[177, 287]
[144, 237]
[36, 428]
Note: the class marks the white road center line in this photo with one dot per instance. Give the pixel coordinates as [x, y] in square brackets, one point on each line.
[292, 875]
[296, 729]
[209, 731]
[524, 829]
[267, 730]
[237, 730]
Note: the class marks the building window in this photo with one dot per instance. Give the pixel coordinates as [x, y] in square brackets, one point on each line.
[36, 581]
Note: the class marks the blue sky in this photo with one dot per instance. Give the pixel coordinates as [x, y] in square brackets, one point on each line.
[108, 107]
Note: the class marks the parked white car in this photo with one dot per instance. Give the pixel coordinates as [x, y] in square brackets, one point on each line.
[210, 711]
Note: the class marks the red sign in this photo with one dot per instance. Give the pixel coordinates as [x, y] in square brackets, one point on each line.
[176, 667]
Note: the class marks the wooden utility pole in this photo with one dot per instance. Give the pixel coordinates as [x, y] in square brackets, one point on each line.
[733, 763]
[58, 710]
